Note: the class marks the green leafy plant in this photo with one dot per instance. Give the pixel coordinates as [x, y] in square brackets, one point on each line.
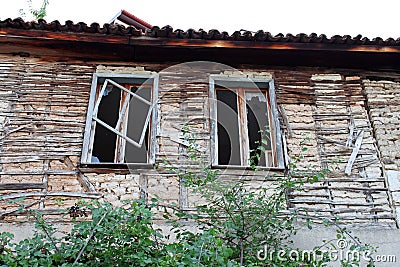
[113, 237]
[237, 225]
[246, 219]
[243, 218]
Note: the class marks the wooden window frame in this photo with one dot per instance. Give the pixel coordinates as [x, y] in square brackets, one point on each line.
[92, 120]
[276, 138]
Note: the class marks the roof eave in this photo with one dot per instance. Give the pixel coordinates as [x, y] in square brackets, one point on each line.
[195, 43]
[95, 46]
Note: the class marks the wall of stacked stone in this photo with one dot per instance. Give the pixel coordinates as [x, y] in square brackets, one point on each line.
[45, 120]
[383, 99]
[336, 114]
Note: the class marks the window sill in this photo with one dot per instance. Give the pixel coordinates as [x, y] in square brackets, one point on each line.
[118, 168]
[246, 168]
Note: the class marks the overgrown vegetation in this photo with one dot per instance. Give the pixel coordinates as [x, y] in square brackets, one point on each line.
[238, 226]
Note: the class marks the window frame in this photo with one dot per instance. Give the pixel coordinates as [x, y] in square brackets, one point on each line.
[91, 123]
[276, 142]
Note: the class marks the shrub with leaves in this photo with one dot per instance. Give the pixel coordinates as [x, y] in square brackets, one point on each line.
[245, 219]
[113, 237]
[235, 223]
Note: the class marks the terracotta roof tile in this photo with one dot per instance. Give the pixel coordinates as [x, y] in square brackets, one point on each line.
[169, 32]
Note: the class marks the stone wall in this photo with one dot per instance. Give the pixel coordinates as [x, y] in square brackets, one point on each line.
[322, 111]
[329, 126]
[383, 98]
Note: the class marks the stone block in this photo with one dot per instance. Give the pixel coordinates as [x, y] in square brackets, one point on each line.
[72, 188]
[119, 191]
[109, 185]
[396, 197]
[129, 185]
[373, 172]
[110, 198]
[130, 196]
[151, 182]
[394, 180]
[392, 167]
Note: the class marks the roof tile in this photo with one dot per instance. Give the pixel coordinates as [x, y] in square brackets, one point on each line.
[169, 32]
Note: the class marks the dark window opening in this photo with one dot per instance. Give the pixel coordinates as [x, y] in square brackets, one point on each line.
[121, 121]
[244, 132]
[104, 140]
[228, 129]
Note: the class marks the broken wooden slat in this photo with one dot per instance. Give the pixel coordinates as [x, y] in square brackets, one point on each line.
[129, 140]
[83, 180]
[356, 148]
[15, 130]
[11, 211]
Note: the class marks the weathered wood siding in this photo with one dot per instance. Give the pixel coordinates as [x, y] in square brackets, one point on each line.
[42, 119]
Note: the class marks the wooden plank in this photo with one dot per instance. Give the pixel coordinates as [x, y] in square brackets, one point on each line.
[21, 186]
[83, 180]
[50, 194]
[336, 203]
[122, 117]
[40, 172]
[122, 126]
[243, 131]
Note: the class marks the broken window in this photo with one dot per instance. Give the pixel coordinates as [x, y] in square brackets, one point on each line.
[244, 125]
[120, 123]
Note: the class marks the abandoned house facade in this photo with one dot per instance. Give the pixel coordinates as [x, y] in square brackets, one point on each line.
[66, 91]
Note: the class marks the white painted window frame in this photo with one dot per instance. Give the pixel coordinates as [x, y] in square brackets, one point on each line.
[277, 142]
[92, 120]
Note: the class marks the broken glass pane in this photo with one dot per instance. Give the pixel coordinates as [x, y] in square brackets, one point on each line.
[136, 119]
[258, 127]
